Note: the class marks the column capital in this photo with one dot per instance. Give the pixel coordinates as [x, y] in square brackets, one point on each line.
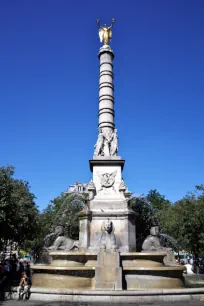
[105, 49]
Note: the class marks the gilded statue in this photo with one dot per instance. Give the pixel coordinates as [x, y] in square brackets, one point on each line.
[105, 32]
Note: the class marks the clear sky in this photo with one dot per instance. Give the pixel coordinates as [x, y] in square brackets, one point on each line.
[49, 92]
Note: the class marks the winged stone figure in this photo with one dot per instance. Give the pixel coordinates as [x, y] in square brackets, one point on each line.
[105, 32]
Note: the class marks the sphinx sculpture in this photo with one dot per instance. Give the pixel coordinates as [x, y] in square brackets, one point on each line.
[108, 239]
[63, 243]
[152, 244]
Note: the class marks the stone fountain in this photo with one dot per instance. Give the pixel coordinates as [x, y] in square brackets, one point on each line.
[105, 256]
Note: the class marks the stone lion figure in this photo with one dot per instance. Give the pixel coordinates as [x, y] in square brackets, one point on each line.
[62, 242]
[108, 239]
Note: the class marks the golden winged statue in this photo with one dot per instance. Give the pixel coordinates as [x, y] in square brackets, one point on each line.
[105, 32]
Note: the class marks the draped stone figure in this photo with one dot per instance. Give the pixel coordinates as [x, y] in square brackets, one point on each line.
[106, 150]
[99, 144]
[114, 143]
[107, 143]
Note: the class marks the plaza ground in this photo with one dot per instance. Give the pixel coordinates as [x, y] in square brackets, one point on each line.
[41, 303]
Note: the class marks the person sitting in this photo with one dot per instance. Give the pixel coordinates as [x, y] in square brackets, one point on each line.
[189, 268]
[24, 286]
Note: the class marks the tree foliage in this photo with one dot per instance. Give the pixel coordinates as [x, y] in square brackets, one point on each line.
[157, 201]
[184, 221]
[18, 212]
[21, 222]
[147, 209]
[62, 210]
[65, 212]
[144, 216]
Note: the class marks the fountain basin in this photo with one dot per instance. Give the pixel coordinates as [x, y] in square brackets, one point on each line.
[76, 270]
[72, 259]
[141, 278]
[52, 277]
[138, 259]
[194, 280]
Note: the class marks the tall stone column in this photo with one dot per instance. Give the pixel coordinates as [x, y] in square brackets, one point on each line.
[108, 196]
[107, 143]
[106, 90]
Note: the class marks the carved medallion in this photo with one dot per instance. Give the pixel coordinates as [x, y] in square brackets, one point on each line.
[107, 179]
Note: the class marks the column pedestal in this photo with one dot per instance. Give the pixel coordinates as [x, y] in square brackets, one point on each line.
[109, 203]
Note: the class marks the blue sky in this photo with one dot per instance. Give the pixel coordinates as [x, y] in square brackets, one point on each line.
[49, 92]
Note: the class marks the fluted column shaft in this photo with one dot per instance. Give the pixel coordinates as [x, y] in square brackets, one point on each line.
[106, 89]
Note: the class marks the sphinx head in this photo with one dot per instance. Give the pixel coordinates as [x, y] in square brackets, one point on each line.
[154, 230]
[59, 230]
[108, 226]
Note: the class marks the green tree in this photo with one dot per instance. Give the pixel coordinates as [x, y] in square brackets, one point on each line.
[144, 216]
[66, 209]
[18, 212]
[62, 210]
[184, 221]
[157, 201]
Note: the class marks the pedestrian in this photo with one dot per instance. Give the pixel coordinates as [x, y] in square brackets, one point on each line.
[189, 268]
[24, 286]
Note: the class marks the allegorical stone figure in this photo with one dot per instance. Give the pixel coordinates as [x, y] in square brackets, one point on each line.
[105, 32]
[99, 144]
[106, 150]
[114, 143]
[152, 243]
[108, 239]
[62, 242]
[107, 143]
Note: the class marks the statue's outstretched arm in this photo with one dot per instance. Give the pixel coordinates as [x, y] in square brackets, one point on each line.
[113, 21]
[98, 23]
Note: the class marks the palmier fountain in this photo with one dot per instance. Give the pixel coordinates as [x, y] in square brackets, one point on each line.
[105, 259]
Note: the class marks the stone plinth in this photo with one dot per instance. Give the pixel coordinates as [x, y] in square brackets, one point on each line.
[108, 273]
[124, 229]
[109, 202]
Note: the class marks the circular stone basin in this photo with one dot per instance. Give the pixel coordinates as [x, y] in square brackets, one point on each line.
[194, 280]
[140, 259]
[52, 268]
[72, 259]
[154, 277]
[67, 259]
[170, 268]
[69, 278]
